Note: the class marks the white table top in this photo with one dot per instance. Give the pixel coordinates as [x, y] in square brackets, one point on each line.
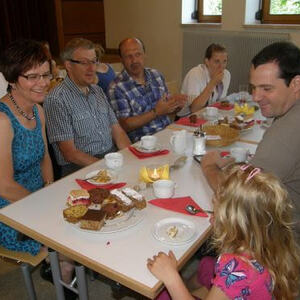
[120, 256]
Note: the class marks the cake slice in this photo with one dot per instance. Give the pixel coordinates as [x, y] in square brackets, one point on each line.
[98, 195]
[79, 197]
[93, 220]
[125, 202]
[138, 200]
[73, 214]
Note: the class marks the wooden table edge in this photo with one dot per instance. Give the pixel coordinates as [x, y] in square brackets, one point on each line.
[116, 276]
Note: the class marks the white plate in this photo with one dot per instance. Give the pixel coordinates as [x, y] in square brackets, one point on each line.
[139, 147]
[186, 231]
[126, 221]
[94, 173]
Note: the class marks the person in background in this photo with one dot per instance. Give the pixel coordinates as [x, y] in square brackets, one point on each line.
[258, 256]
[81, 124]
[104, 72]
[53, 67]
[275, 84]
[208, 82]
[139, 95]
[24, 158]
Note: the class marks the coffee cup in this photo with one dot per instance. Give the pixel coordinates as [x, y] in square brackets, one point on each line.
[239, 154]
[164, 188]
[114, 160]
[148, 142]
[211, 112]
[178, 141]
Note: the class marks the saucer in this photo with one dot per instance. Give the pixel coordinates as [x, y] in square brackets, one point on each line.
[139, 147]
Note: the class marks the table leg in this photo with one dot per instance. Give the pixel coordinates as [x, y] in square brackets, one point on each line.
[81, 282]
[56, 275]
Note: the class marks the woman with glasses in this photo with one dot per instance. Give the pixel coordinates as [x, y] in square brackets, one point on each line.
[24, 158]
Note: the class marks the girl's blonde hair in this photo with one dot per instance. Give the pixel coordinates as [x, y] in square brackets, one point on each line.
[253, 215]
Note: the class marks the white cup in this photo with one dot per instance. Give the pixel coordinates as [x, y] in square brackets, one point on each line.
[239, 154]
[148, 142]
[113, 160]
[211, 112]
[179, 141]
[163, 188]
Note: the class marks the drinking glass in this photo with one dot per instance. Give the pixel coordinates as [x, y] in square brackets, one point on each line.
[243, 93]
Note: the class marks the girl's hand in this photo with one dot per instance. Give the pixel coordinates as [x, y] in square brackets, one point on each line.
[163, 266]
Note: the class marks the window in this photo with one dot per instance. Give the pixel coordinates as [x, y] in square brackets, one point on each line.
[210, 11]
[281, 11]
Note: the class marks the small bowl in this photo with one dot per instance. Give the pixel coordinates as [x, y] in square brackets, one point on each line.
[114, 160]
[164, 188]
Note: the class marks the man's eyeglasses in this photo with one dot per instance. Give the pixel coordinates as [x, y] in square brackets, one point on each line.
[36, 77]
[84, 63]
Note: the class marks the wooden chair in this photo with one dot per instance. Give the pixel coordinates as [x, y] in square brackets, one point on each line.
[28, 263]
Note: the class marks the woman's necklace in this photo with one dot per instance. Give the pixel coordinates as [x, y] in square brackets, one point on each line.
[20, 110]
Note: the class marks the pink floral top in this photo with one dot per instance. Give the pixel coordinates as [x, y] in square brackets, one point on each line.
[242, 279]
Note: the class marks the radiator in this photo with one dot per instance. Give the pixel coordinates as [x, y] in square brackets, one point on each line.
[241, 48]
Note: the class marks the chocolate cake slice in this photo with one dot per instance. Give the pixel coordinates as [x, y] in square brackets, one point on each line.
[98, 195]
[93, 219]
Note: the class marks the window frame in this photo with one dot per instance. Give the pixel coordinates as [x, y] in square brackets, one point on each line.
[267, 18]
[207, 18]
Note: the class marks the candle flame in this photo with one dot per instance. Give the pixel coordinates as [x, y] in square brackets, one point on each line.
[154, 175]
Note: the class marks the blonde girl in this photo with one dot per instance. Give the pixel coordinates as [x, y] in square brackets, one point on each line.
[258, 256]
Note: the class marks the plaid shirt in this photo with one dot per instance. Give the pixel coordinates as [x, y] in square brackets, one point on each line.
[85, 119]
[129, 98]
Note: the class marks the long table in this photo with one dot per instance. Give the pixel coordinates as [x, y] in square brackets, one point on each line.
[122, 255]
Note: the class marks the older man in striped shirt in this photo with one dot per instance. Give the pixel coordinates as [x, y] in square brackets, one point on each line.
[81, 124]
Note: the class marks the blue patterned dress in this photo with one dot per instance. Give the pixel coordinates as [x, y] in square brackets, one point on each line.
[27, 152]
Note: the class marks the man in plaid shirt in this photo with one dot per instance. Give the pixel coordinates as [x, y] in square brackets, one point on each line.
[139, 95]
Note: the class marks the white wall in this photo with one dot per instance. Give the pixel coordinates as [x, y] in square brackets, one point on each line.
[158, 24]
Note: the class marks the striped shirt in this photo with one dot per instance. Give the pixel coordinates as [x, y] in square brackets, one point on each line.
[85, 119]
[129, 98]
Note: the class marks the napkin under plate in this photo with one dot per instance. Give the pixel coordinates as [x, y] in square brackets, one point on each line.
[110, 186]
[143, 155]
[178, 205]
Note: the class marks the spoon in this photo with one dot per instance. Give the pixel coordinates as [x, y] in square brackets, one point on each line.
[179, 162]
[193, 210]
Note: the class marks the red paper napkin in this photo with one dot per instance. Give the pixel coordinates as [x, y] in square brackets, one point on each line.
[142, 155]
[186, 121]
[220, 106]
[225, 153]
[110, 186]
[178, 205]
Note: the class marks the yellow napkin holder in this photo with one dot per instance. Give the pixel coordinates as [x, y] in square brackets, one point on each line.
[244, 109]
[151, 174]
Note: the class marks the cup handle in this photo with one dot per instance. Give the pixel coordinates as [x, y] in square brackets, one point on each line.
[172, 140]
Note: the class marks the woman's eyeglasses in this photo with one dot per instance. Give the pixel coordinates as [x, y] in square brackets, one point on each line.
[36, 77]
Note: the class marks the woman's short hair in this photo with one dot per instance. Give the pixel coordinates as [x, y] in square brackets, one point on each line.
[75, 44]
[20, 56]
[212, 48]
